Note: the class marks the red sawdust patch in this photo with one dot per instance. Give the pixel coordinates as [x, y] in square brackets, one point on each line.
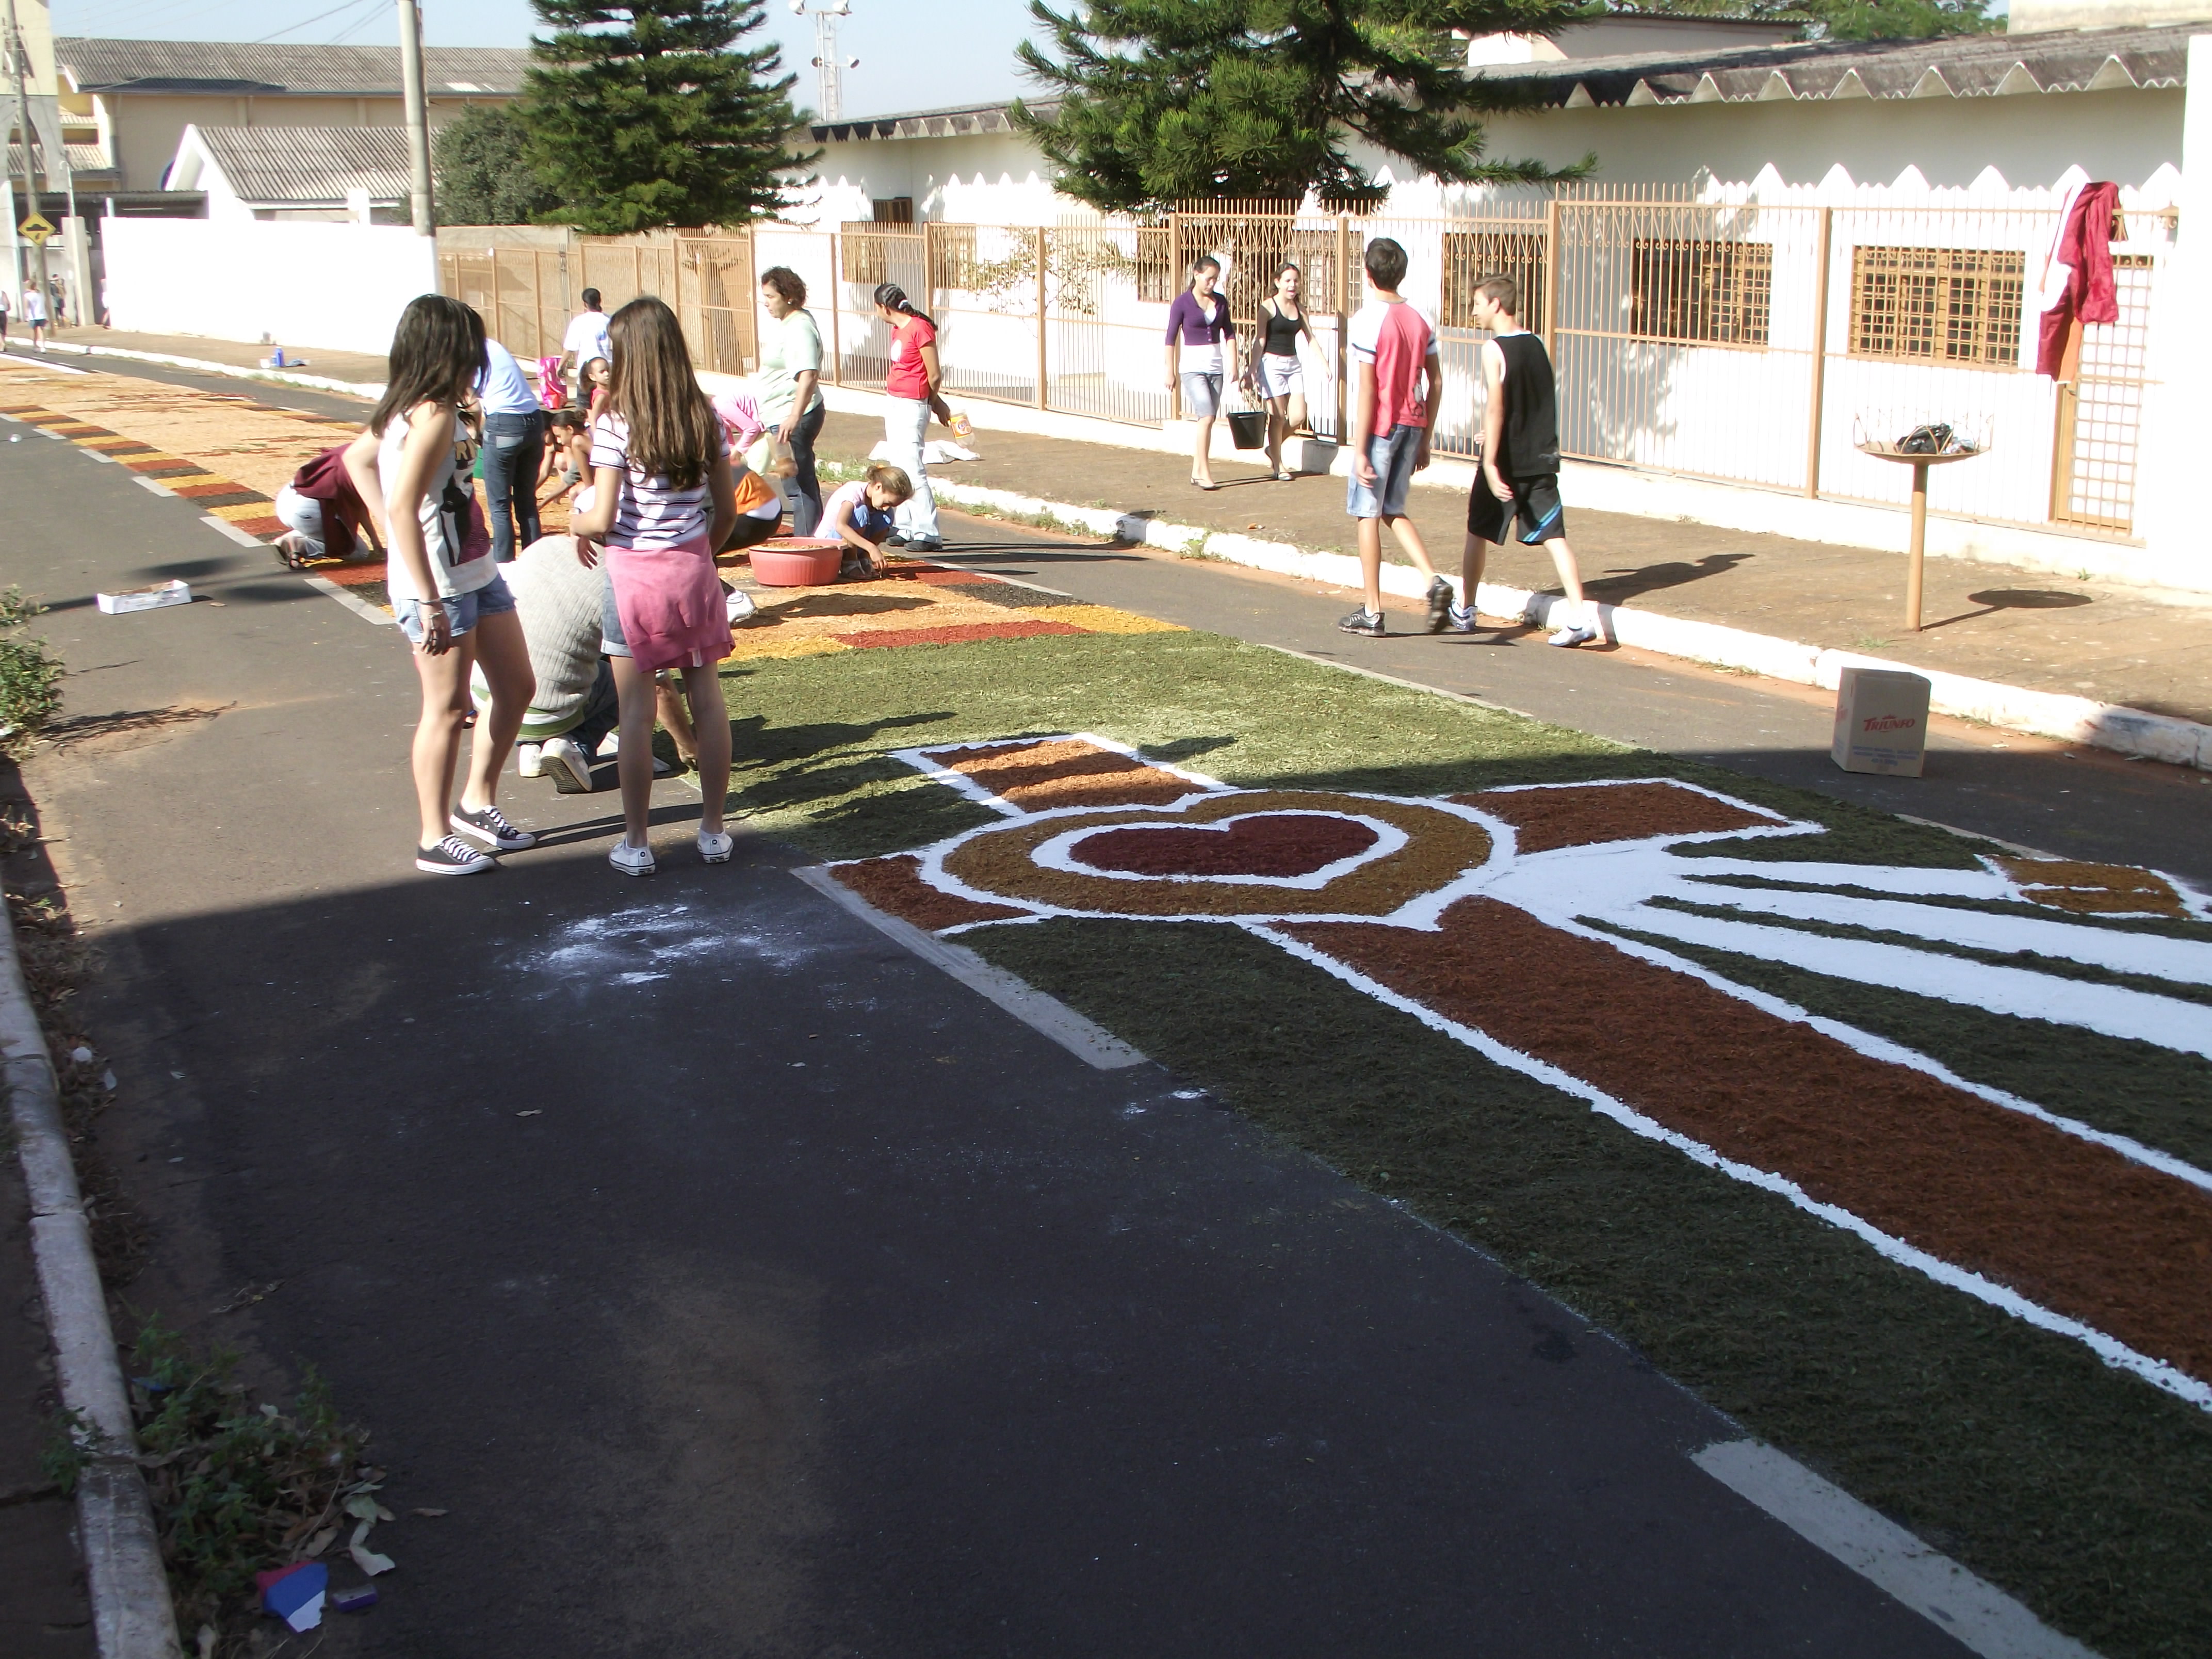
[2093, 889]
[955, 634]
[895, 886]
[1291, 844]
[1582, 815]
[1063, 772]
[2067, 1223]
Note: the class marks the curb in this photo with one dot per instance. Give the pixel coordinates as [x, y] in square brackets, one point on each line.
[372, 391]
[2046, 713]
[132, 1614]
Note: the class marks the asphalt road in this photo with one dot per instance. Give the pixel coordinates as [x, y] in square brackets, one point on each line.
[740, 1284]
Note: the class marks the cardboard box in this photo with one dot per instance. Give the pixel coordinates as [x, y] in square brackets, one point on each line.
[145, 599]
[1881, 721]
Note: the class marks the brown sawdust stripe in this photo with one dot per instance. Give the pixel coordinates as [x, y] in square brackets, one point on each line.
[2068, 1224]
[1439, 847]
[2093, 889]
[895, 886]
[1544, 819]
[1063, 772]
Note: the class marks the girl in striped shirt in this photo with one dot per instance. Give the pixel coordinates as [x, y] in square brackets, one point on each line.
[663, 502]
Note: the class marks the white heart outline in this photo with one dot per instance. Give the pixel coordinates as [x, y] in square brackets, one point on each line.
[1057, 853]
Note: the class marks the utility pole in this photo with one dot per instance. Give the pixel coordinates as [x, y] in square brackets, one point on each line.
[33, 181]
[418, 117]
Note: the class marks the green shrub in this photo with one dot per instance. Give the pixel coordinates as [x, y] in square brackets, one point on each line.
[30, 673]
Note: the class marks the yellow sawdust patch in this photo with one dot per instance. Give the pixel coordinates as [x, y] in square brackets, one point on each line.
[259, 448]
[1104, 619]
[753, 645]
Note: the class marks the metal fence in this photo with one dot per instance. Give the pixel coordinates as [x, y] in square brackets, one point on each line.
[1751, 342]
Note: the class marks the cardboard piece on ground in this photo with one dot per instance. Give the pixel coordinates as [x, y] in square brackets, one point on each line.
[145, 599]
[1881, 721]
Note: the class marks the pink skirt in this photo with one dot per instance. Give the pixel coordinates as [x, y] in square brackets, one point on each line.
[673, 611]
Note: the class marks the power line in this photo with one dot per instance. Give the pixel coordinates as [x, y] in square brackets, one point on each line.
[350, 5]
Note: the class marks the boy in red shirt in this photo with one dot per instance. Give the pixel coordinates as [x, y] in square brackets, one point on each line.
[1393, 346]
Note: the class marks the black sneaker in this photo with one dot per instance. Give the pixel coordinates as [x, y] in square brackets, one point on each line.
[1440, 604]
[1363, 620]
[896, 538]
[453, 857]
[924, 544]
[489, 825]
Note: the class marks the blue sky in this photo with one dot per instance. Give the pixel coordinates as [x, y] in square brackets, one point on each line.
[912, 56]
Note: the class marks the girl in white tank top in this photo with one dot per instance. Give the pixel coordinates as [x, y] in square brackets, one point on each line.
[452, 603]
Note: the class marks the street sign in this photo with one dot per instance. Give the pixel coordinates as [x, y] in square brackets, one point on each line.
[35, 230]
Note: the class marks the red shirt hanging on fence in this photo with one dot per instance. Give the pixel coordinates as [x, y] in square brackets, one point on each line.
[2077, 281]
[909, 375]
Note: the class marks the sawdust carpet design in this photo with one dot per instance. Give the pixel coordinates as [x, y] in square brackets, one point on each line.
[1532, 922]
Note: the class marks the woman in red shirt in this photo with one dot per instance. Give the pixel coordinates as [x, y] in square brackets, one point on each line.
[910, 385]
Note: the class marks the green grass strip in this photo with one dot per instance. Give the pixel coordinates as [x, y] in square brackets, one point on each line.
[813, 736]
[2156, 1095]
[2089, 973]
[2083, 1492]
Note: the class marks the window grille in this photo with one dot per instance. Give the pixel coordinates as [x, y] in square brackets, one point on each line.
[1960, 306]
[952, 255]
[864, 251]
[1471, 256]
[894, 209]
[1715, 292]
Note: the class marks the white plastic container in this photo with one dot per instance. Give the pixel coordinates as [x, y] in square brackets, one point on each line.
[145, 599]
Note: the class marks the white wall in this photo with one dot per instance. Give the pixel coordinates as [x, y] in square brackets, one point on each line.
[339, 286]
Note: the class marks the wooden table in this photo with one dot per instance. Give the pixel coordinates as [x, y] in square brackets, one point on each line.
[1882, 449]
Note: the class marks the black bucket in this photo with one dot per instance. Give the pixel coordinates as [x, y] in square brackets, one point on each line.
[1248, 428]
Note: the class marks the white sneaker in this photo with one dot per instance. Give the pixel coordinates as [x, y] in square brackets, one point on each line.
[527, 763]
[741, 606]
[715, 846]
[562, 761]
[1573, 634]
[631, 861]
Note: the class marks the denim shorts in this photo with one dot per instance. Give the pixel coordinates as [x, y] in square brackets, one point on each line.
[1201, 396]
[612, 643]
[1391, 454]
[463, 610]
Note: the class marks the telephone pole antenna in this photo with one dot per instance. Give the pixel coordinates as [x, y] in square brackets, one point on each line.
[828, 67]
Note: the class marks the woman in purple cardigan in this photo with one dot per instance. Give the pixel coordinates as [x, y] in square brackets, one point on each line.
[1200, 349]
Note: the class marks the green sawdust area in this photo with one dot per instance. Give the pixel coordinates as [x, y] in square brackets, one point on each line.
[2033, 961]
[816, 765]
[2170, 926]
[2156, 1095]
[2083, 1490]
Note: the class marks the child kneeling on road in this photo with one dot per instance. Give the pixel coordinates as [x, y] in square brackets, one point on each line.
[864, 512]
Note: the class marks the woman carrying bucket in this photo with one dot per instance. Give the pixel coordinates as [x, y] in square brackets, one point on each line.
[1275, 365]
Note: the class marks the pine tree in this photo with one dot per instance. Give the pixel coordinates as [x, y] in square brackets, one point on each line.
[1166, 100]
[485, 177]
[646, 115]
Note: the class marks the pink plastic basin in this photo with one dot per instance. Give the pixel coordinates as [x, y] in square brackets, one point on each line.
[796, 561]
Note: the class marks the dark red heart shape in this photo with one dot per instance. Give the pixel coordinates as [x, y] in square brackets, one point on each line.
[1280, 844]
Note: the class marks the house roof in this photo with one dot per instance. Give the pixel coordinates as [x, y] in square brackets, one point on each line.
[309, 165]
[959, 121]
[82, 159]
[1962, 66]
[261, 70]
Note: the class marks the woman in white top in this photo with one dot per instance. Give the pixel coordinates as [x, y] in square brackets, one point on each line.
[1201, 343]
[445, 587]
[788, 386]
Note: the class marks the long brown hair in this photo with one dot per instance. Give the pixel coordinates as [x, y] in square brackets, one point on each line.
[674, 433]
[439, 344]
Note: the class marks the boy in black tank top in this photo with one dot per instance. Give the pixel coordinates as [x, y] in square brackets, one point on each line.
[1518, 479]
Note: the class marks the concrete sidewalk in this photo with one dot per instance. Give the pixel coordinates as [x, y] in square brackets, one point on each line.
[2079, 639]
